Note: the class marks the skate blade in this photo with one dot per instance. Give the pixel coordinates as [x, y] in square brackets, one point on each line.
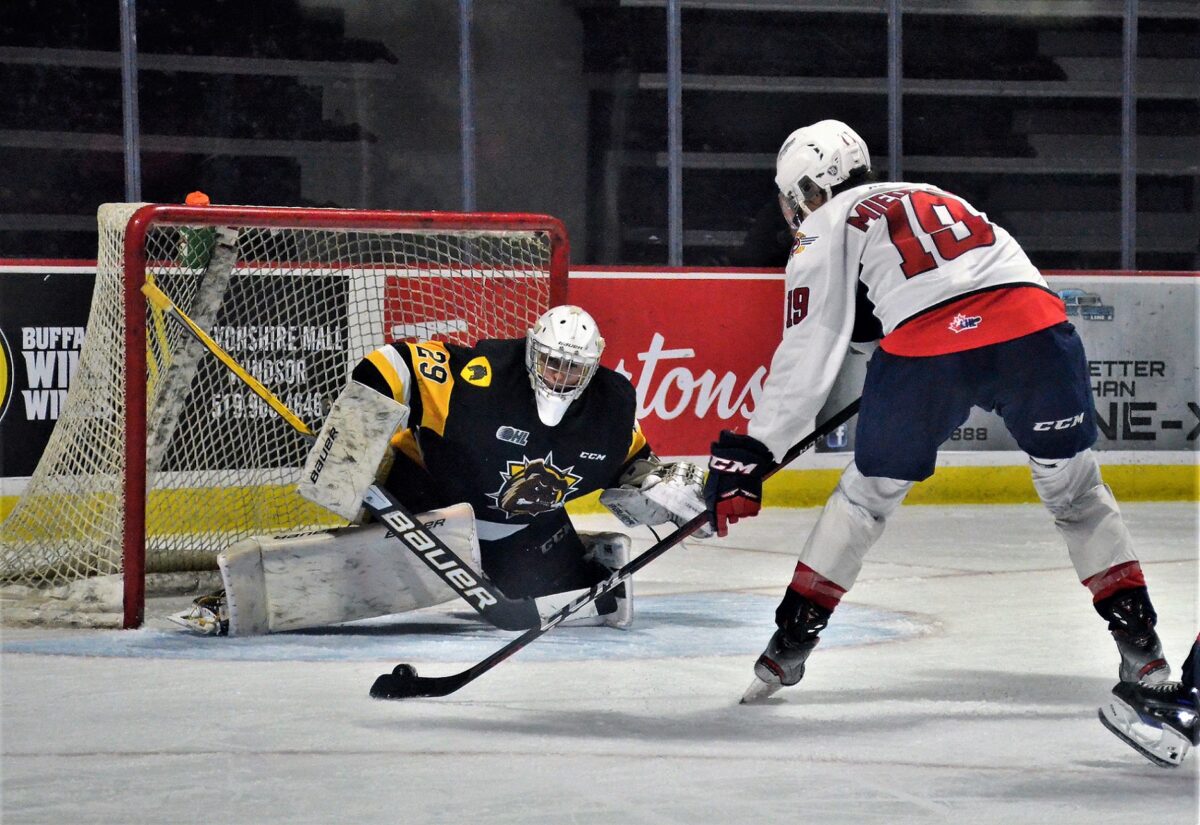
[1167, 751]
[759, 691]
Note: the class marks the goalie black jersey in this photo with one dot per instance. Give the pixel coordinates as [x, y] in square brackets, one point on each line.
[474, 435]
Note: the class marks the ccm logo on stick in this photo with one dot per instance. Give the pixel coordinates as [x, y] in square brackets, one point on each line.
[1061, 424]
[452, 572]
[727, 465]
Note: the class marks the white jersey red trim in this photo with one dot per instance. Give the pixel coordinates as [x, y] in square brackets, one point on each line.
[917, 249]
[977, 320]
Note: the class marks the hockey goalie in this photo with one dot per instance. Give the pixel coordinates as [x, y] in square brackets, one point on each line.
[487, 444]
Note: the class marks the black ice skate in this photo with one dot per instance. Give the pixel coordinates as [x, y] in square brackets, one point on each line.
[1142, 658]
[780, 665]
[1131, 619]
[1157, 720]
[799, 620]
[208, 615]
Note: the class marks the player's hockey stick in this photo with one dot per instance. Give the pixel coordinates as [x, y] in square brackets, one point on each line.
[403, 682]
[488, 601]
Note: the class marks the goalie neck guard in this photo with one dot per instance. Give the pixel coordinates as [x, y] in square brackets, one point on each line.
[562, 352]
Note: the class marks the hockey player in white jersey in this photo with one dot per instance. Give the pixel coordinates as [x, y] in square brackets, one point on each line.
[963, 320]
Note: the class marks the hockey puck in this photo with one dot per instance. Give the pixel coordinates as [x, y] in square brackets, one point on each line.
[395, 685]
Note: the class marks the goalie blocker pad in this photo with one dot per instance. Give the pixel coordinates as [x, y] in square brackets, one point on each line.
[352, 444]
[276, 584]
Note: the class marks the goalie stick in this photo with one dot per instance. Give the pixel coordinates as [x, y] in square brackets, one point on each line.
[404, 683]
[487, 600]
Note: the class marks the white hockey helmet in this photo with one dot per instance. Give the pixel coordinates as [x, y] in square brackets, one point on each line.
[562, 351]
[812, 161]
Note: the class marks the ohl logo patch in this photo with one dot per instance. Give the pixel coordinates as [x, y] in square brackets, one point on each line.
[6, 375]
[533, 487]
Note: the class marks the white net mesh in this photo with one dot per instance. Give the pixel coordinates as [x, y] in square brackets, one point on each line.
[297, 308]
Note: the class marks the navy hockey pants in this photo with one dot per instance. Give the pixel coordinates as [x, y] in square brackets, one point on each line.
[1037, 383]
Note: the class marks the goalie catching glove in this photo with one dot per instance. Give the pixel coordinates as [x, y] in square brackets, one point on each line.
[735, 473]
[652, 492]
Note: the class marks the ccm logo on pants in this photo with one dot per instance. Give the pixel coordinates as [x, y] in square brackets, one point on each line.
[1061, 424]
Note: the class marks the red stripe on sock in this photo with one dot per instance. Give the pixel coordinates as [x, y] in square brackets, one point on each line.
[1121, 577]
[815, 587]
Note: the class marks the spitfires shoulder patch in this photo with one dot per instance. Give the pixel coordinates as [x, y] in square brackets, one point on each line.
[802, 242]
[478, 371]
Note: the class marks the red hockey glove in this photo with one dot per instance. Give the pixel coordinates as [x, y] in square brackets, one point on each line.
[733, 488]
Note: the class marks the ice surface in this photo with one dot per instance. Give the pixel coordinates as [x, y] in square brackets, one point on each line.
[958, 683]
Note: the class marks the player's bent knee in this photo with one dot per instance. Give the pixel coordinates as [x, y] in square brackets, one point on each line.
[878, 495]
[1085, 512]
[839, 541]
[1060, 482]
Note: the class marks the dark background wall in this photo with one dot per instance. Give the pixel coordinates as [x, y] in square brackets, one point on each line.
[1015, 105]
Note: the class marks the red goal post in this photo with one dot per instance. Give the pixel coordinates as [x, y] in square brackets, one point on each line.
[159, 461]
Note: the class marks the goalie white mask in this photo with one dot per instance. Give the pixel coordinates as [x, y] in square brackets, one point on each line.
[812, 161]
[562, 351]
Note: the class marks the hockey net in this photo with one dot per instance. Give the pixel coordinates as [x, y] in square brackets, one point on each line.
[161, 457]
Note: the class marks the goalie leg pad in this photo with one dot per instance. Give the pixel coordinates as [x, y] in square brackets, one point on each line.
[276, 584]
[246, 584]
[353, 443]
[611, 551]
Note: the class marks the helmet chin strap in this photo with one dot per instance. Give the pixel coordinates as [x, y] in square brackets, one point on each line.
[551, 409]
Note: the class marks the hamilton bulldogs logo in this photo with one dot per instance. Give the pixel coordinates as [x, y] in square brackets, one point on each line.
[533, 486]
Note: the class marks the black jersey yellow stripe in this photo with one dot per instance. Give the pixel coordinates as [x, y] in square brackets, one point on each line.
[405, 441]
[381, 363]
[637, 442]
[434, 381]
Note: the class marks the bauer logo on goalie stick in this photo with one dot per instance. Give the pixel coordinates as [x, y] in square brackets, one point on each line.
[324, 456]
[453, 573]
